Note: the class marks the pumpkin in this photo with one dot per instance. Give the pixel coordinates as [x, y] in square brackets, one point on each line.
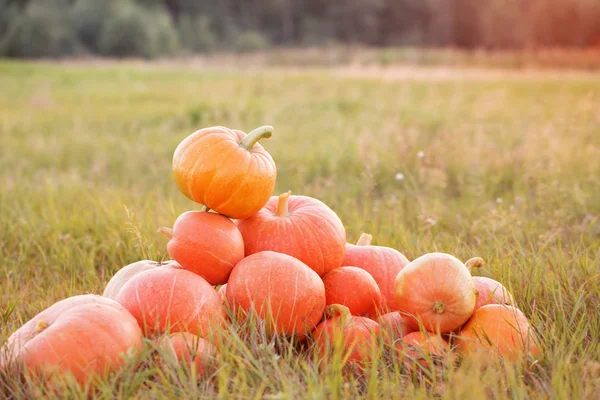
[185, 347]
[501, 329]
[206, 244]
[169, 299]
[393, 326]
[352, 287]
[383, 263]
[351, 337]
[421, 346]
[281, 290]
[299, 226]
[435, 290]
[126, 273]
[226, 170]
[489, 290]
[86, 336]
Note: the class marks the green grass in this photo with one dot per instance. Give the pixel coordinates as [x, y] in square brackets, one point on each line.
[510, 172]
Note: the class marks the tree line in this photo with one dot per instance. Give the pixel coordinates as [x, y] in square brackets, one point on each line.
[152, 28]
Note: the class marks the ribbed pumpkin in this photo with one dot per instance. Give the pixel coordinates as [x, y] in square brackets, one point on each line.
[184, 347]
[300, 226]
[502, 330]
[129, 271]
[280, 290]
[354, 288]
[383, 263]
[436, 290]
[85, 336]
[353, 338]
[175, 300]
[206, 244]
[226, 170]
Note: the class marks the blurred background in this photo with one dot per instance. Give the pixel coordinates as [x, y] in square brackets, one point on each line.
[163, 28]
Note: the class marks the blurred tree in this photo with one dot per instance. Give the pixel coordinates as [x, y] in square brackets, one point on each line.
[42, 30]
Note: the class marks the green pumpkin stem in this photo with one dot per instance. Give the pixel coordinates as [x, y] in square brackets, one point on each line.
[253, 137]
[282, 204]
[364, 240]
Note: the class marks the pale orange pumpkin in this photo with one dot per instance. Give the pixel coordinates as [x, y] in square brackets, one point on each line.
[174, 300]
[129, 271]
[382, 263]
[206, 244]
[226, 170]
[435, 290]
[354, 288]
[300, 226]
[185, 347]
[86, 336]
[501, 330]
[280, 290]
[353, 338]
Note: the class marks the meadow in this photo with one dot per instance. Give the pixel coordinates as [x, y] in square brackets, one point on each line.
[505, 166]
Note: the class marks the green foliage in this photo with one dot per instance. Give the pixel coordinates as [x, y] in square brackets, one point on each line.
[89, 17]
[136, 32]
[251, 41]
[196, 34]
[40, 31]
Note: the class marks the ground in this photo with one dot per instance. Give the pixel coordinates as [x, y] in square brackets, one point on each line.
[505, 166]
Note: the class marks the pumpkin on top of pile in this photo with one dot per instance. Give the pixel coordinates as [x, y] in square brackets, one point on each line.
[283, 260]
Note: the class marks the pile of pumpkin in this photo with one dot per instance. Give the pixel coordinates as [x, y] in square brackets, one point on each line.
[284, 261]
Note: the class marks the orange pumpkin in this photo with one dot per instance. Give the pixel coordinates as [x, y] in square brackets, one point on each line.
[437, 291]
[351, 337]
[168, 299]
[418, 346]
[489, 291]
[190, 349]
[352, 287]
[281, 290]
[299, 226]
[206, 244]
[226, 170]
[383, 263]
[393, 326]
[126, 273]
[503, 330]
[85, 336]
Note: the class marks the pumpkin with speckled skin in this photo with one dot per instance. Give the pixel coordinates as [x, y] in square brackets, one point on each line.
[86, 336]
[382, 263]
[206, 244]
[299, 226]
[174, 300]
[280, 290]
[435, 290]
[226, 170]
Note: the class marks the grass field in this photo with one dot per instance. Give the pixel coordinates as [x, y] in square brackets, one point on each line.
[506, 168]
